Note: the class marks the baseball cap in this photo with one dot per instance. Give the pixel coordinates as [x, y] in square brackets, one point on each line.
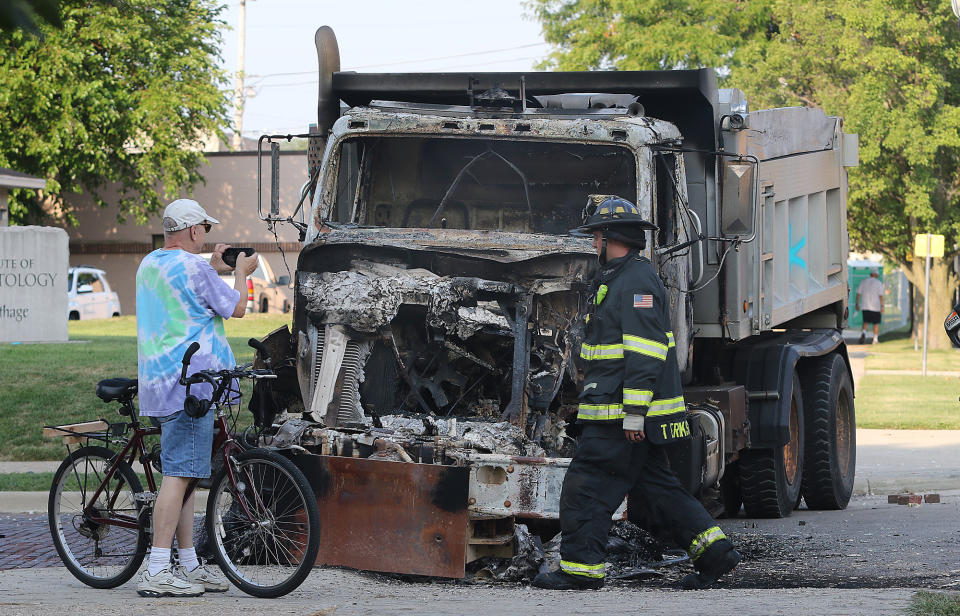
[184, 213]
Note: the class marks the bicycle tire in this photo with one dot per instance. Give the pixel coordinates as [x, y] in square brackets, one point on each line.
[270, 555]
[81, 542]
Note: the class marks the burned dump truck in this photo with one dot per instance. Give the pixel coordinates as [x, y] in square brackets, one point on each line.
[435, 343]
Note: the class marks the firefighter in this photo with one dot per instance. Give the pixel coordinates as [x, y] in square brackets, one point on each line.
[630, 407]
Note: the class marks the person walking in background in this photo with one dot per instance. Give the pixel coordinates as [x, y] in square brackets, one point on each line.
[870, 300]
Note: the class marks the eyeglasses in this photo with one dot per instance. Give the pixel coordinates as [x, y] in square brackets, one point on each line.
[206, 226]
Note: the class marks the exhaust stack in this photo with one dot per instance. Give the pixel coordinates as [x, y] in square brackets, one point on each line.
[328, 60]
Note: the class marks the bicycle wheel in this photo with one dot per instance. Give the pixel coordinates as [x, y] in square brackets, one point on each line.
[264, 528]
[97, 551]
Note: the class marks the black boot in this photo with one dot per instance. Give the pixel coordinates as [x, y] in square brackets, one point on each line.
[559, 580]
[710, 568]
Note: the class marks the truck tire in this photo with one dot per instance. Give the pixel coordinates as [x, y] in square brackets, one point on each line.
[730, 494]
[770, 479]
[830, 452]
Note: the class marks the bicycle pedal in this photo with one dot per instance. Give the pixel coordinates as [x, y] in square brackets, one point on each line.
[145, 498]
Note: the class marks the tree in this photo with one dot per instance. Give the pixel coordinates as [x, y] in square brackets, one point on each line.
[28, 13]
[648, 34]
[890, 68]
[120, 93]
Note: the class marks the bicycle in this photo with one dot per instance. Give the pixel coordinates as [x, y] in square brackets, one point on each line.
[262, 518]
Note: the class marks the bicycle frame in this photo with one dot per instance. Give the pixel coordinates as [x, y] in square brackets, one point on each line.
[135, 448]
[127, 455]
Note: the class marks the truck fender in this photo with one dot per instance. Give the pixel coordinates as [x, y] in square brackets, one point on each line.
[766, 368]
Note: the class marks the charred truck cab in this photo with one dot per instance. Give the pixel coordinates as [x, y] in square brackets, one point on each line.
[436, 331]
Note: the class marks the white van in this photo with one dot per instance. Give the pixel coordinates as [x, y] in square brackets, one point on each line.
[89, 295]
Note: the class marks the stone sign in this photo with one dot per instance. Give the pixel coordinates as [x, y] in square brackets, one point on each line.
[33, 284]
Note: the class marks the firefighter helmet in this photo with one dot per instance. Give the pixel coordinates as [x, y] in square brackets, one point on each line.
[617, 217]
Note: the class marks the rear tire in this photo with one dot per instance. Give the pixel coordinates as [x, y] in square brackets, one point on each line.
[770, 479]
[264, 304]
[730, 493]
[99, 555]
[830, 456]
[74, 316]
[269, 553]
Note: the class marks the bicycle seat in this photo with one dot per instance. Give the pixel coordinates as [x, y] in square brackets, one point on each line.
[116, 389]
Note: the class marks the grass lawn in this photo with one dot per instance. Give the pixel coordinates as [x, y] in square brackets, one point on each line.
[908, 402]
[898, 354]
[46, 384]
[926, 603]
[40, 482]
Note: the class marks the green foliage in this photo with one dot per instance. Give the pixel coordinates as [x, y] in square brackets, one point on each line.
[119, 93]
[649, 34]
[891, 70]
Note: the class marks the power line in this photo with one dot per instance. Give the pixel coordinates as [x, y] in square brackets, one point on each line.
[313, 82]
[355, 68]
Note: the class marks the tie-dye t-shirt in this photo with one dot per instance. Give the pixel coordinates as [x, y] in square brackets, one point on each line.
[180, 300]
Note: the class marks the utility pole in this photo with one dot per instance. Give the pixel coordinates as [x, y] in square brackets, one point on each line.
[238, 89]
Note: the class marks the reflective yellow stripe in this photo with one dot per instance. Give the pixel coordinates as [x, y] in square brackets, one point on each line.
[668, 406]
[637, 397]
[704, 540]
[600, 412]
[592, 352]
[593, 571]
[670, 341]
[644, 346]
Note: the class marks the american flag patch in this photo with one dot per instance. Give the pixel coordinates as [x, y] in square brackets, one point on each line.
[642, 301]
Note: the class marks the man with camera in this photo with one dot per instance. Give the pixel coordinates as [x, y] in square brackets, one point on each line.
[181, 299]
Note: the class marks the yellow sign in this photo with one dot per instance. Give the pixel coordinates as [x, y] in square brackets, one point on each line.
[936, 245]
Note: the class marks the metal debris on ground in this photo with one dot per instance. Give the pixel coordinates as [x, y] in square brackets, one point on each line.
[632, 554]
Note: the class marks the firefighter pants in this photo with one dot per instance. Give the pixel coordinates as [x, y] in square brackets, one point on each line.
[604, 469]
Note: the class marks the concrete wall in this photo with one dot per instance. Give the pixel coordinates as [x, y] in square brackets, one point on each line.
[229, 195]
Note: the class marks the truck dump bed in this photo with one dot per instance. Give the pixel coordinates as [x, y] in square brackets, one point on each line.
[793, 273]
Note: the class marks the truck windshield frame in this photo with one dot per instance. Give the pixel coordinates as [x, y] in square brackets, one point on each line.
[475, 183]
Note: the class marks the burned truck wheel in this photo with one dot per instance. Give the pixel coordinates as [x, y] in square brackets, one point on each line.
[831, 440]
[770, 479]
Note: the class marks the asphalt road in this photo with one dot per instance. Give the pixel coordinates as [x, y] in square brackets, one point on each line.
[867, 559]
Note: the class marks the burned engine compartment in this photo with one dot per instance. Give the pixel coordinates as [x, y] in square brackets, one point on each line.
[393, 324]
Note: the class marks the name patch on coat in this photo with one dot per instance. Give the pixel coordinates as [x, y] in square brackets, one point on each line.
[642, 301]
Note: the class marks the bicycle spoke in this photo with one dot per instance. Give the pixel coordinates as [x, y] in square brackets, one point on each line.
[98, 551]
[262, 532]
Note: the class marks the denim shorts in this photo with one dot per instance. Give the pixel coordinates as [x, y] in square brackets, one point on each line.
[186, 444]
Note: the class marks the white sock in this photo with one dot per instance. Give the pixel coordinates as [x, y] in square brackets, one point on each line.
[188, 558]
[159, 558]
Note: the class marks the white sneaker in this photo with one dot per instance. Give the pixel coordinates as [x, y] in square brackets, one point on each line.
[166, 584]
[876, 339]
[210, 581]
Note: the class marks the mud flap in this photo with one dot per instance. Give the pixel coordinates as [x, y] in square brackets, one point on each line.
[394, 517]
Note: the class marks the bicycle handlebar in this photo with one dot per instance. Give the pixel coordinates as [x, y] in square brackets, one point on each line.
[193, 348]
[220, 379]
